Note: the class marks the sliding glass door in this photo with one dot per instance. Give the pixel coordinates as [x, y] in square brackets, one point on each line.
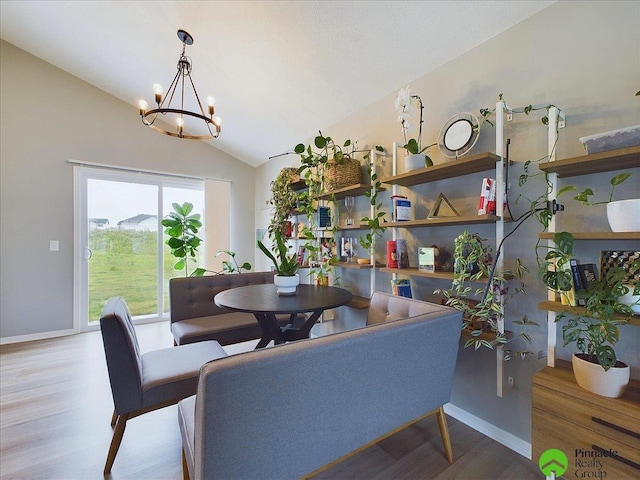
[120, 244]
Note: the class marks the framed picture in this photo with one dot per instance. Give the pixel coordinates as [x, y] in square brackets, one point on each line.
[629, 260]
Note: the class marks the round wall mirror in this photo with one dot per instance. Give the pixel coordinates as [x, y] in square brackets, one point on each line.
[459, 135]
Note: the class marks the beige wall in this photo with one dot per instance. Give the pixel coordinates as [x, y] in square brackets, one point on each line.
[47, 118]
[583, 57]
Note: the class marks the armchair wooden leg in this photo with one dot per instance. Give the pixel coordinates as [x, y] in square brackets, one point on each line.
[185, 469]
[444, 433]
[121, 423]
[114, 417]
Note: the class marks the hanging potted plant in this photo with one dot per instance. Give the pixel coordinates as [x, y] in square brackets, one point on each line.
[416, 158]
[286, 265]
[283, 198]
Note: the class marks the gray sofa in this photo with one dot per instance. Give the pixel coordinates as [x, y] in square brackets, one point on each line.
[288, 411]
[195, 318]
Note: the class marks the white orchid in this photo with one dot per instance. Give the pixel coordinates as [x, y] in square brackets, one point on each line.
[405, 109]
[404, 99]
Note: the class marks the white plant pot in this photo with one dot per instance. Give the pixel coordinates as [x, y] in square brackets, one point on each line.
[592, 377]
[414, 162]
[286, 285]
[624, 215]
[631, 300]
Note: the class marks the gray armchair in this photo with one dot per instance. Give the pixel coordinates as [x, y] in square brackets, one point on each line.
[141, 383]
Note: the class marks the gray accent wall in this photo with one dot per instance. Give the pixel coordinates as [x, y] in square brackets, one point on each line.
[47, 118]
[583, 57]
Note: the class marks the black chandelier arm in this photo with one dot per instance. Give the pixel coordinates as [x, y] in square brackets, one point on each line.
[164, 111]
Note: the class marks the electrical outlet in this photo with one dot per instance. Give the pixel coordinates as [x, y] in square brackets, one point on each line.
[510, 381]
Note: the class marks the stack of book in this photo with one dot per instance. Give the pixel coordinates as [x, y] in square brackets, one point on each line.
[582, 275]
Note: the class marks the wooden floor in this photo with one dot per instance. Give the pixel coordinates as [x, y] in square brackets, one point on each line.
[55, 407]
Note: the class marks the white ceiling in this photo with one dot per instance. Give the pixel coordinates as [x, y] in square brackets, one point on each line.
[279, 70]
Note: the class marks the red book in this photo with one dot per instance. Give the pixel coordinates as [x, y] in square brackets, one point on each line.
[392, 254]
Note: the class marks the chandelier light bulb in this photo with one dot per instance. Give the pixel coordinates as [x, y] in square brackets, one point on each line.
[217, 121]
[180, 122]
[143, 106]
[211, 101]
[157, 89]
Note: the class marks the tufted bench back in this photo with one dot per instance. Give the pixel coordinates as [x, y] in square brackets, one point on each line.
[192, 297]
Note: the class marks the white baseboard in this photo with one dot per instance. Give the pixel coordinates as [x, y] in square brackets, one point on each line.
[501, 436]
[36, 336]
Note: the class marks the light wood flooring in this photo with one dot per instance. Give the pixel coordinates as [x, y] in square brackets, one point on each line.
[55, 408]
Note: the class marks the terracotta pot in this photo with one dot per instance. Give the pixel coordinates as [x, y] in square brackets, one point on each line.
[286, 285]
[592, 377]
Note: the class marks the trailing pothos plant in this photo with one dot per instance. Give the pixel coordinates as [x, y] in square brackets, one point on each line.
[312, 170]
[182, 227]
[473, 262]
[374, 223]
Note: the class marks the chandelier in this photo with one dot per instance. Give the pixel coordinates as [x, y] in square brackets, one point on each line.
[164, 104]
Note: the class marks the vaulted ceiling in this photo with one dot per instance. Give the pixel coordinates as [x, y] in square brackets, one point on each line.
[279, 70]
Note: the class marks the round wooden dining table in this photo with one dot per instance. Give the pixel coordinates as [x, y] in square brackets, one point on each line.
[265, 303]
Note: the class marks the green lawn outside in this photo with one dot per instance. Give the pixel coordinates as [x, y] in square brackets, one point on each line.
[124, 264]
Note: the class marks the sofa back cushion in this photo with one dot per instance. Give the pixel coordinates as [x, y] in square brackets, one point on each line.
[385, 307]
[192, 297]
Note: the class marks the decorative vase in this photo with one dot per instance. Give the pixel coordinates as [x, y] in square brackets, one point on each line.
[286, 285]
[592, 377]
[630, 299]
[624, 215]
[414, 162]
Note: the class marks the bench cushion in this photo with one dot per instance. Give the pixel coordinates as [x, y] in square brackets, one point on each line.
[226, 329]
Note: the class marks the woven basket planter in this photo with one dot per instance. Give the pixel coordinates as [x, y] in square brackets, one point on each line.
[342, 175]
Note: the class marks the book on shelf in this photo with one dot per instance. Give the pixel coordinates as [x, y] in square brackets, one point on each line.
[427, 259]
[402, 253]
[568, 297]
[485, 195]
[301, 255]
[401, 287]
[324, 217]
[588, 274]
[577, 281]
[400, 208]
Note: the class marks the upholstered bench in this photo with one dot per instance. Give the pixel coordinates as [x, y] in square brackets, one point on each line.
[288, 411]
[195, 318]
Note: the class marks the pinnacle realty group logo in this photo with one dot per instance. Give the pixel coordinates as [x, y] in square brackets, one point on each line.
[587, 463]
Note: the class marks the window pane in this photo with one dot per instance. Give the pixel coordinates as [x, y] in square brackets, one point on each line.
[123, 238]
[180, 195]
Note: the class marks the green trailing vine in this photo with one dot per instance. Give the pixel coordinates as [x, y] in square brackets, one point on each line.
[374, 224]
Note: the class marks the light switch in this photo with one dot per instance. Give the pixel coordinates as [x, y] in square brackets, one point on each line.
[54, 245]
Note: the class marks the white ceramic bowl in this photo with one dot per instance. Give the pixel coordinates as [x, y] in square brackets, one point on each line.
[624, 215]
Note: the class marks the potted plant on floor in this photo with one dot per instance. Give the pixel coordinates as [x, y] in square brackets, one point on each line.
[286, 265]
[182, 226]
[594, 329]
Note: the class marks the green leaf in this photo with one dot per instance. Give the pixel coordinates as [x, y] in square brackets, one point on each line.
[299, 148]
[618, 179]
[320, 141]
[564, 241]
